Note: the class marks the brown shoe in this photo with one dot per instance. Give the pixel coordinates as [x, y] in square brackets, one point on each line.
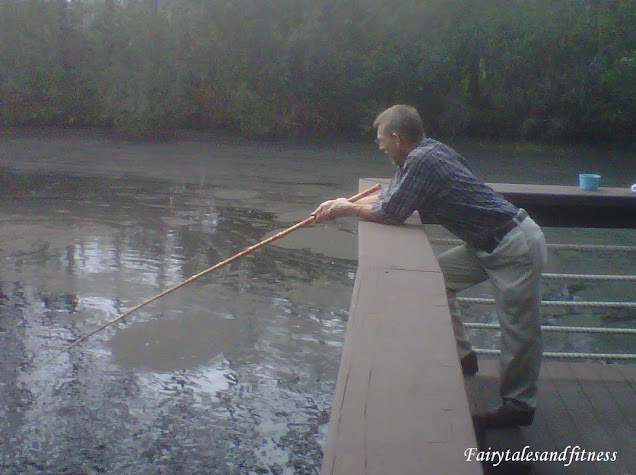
[507, 415]
[469, 364]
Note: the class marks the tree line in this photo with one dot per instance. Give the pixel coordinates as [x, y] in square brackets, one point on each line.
[539, 69]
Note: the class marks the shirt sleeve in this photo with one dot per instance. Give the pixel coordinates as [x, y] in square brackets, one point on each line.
[411, 193]
[386, 190]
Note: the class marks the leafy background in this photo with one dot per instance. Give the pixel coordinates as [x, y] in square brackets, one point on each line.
[531, 69]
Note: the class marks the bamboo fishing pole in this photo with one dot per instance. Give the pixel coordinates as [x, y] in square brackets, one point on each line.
[246, 251]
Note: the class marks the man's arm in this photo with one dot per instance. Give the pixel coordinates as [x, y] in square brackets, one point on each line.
[342, 207]
[372, 199]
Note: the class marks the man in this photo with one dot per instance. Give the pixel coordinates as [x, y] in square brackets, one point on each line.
[503, 244]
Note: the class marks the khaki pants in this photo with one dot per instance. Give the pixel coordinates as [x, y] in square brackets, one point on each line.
[514, 269]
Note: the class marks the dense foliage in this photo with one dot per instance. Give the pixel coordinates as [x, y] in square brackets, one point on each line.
[515, 68]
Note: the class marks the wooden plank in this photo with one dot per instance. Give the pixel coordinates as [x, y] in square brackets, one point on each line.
[629, 374]
[553, 420]
[561, 424]
[560, 193]
[558, 424]
[555, 427]
[621, 393]
[399, 405]
[600, 390]
[541, 436]
[604, 196]
[586, 431]
[372, 253]
[396, 410]
[606, 413]
[538, 437]
[569, 206]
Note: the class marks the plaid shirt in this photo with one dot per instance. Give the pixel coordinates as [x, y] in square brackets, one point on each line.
[436, 181]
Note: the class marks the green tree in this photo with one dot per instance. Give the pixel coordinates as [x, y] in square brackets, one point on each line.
[551, 69]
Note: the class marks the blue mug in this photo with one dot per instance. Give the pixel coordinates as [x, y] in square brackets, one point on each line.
[589, 181]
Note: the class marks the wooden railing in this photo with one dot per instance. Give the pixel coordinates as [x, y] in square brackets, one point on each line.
[400, 406]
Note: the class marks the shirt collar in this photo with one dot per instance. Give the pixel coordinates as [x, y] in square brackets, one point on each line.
[413, 152]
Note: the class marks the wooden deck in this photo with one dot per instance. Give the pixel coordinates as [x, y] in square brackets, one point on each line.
[401, 405]
[589, 405]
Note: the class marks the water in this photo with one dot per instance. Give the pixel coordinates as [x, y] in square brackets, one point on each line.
[235, 372]
[217, 377]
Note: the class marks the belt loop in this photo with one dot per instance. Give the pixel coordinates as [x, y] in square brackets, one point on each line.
[520, 216]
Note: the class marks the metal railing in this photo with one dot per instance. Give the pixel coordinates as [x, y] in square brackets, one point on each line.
[567, 303]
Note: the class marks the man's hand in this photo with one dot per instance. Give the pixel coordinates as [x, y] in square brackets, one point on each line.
[332, 209]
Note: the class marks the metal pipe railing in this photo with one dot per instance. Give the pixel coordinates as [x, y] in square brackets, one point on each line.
[556, 328]
[556, 303]
[592, 277]
[567, 303]
[554, 354]
[561, 247]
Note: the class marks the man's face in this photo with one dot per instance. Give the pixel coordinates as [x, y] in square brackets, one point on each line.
[388, 143]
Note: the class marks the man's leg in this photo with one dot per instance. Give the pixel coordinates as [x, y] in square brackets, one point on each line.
[461, 269]
[515, 269]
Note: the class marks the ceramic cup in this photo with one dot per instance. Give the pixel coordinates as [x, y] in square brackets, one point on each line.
[589, 181]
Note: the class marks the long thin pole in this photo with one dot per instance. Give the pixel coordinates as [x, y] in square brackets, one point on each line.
[245, 252]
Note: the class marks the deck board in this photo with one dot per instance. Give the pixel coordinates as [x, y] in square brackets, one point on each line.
[579, 404]
[569, 206]
[621, 393]
[618, 432]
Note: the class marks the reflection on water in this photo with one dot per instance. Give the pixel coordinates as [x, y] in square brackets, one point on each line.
[326, 239]
[231, 374]
[193, 339]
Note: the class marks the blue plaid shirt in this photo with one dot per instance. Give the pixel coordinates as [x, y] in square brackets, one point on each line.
[436, 181]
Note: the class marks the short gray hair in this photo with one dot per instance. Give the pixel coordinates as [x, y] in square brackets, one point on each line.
[402, 119]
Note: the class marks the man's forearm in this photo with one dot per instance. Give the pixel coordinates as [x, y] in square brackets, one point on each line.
[341, 207]
[368, 200]
[362, 210]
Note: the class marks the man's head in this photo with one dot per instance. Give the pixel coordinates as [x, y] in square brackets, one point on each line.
[398, 130]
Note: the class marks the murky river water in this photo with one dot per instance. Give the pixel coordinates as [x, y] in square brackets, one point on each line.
[235, 372]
